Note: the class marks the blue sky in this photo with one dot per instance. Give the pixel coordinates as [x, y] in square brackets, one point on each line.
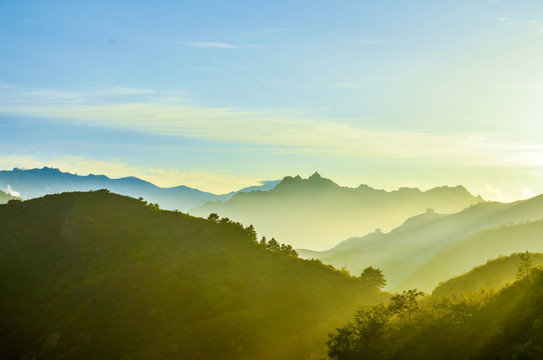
[220, 95]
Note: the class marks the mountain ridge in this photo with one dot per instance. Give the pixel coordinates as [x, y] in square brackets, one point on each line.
[461, 255]
[34, 183]
[401, 252]
[317, 213]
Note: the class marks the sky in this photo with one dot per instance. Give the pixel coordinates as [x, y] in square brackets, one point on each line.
[219, 95]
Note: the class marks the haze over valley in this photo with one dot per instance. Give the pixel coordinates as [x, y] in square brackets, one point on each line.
[353, 180]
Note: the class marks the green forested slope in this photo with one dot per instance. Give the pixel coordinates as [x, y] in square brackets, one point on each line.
[101, 276]
[505, 325]
[495, 274]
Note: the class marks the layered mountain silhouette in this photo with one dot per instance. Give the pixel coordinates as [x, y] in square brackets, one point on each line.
[101, 276]
[39, 182]
[431, 247]
[317, 213]
[461, 255]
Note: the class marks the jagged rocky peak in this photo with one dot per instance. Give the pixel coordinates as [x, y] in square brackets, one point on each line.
[51, 169]
[315, 180]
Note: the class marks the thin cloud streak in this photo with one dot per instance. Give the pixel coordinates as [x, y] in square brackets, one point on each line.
[277, 30]
[286, 132]
[216, 45]
[92, 95]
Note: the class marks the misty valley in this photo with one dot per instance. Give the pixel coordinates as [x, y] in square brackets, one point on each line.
[271, 180]
[299, 268]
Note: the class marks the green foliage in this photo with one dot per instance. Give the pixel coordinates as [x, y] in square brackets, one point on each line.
[405, 304]
[373, 277]
[485, 325]
[274, 247]
[100, 276]
[494, 274]
[213, 217]
[345, 271]
[153, 206]
[526, 265]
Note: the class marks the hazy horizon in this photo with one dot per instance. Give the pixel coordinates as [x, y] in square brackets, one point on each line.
[221, 96]
[402, 142]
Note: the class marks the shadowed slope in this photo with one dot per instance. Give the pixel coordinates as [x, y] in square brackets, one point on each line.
[101, 276]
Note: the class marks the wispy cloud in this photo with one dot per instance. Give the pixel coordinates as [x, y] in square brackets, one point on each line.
[91, 95]
[205, 44]
[274, 45]
[344, 85]
[534, 24]
[277, 30]
[365, 42]
[12, 192]
[122, 90]
[284, 132]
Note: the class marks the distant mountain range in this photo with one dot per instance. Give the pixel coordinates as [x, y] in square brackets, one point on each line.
[461, 255]
[97, 275]
[317, 213]
[39, 182]
[431, 247]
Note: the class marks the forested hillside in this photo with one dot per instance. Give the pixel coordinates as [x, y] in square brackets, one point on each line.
[101, 276]
[495, 274]
[487, 325]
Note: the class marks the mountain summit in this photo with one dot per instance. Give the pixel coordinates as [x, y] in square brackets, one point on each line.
[317, 213]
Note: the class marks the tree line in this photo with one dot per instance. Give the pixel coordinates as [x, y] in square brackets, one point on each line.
[505, 324]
